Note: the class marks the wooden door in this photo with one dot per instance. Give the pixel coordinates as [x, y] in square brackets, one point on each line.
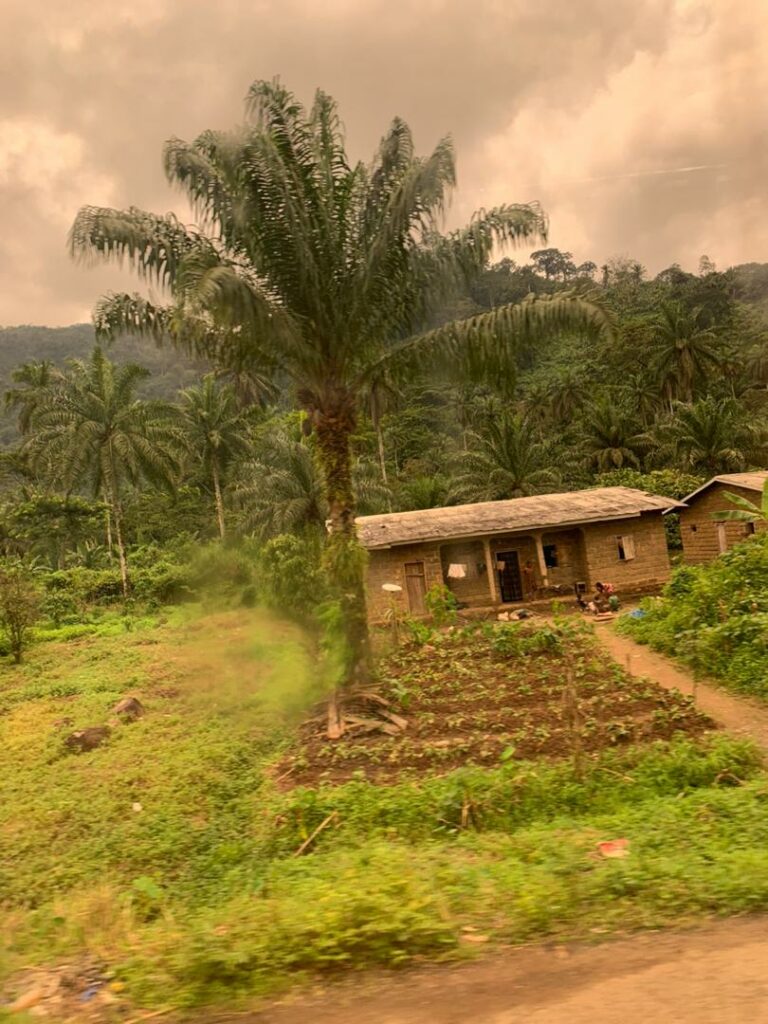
[416, 587]
[722, 538]
[510, 580]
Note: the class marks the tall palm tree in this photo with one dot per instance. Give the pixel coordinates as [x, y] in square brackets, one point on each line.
[506, 459]
[610, 438]
[712, 436]
[216, 432]
[96, 433]
[684, 351]
[321, 271]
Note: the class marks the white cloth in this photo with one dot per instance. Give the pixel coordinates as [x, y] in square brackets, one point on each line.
[457, 571]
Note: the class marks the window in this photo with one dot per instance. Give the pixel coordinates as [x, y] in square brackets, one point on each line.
[550, 556]
[749, 529]
[693, 529]
[626, 548]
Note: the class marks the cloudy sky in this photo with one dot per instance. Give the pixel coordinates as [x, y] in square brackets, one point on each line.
[639, 124]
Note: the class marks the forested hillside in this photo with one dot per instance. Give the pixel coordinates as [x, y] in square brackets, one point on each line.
[169, 370]
[675, 393]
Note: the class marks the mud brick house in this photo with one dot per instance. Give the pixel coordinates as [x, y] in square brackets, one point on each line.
[497, 553]
[703, 538]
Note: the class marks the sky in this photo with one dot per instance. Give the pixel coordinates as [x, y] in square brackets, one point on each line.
[640, 125]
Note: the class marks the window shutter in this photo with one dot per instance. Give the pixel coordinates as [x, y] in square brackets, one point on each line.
[629, 548]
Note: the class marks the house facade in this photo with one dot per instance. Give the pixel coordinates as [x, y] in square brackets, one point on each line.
[498, 553]
[703, 538]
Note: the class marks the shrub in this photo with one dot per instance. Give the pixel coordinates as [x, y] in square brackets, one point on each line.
[715, 617]
[441, 604]
[19, 608]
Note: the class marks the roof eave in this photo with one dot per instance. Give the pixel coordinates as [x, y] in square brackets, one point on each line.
[506, 532]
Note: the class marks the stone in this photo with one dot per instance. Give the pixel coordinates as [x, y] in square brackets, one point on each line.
[129, 709]
[83, 740]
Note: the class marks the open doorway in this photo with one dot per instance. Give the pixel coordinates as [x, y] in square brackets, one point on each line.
[510, 580]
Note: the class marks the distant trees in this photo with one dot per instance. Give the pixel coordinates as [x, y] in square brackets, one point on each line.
[93, 432]
[684, 351]
[505, 458]
[215, 431]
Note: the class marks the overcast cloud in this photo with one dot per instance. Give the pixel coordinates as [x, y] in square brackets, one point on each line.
[639, 124]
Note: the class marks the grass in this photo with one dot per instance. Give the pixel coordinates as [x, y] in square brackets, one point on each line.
[169, 854]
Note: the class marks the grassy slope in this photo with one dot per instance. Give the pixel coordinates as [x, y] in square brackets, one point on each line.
[196, 895]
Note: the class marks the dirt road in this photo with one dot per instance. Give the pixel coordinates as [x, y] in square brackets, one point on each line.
[717, 974]
[739, 715]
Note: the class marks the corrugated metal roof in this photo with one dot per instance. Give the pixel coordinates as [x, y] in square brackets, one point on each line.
[753, 481]
[541, 511]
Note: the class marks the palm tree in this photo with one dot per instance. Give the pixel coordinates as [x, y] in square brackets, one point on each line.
[96, 432]
[712, 436]
[610, 438]
[216, 431]
[683, 351]
[281, 489]
[323, 272]
[506, 459]
[37, 379]
[566, 394]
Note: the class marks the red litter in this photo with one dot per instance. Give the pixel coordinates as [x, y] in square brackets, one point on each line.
[614, 848]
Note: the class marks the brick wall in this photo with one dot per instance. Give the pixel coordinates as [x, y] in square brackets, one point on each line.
[474, 589]
[388, 566]
[699, 531]
[589, 554]
[649, 567]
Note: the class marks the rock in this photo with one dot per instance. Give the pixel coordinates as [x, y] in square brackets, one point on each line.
[87, 739]
[129, 709]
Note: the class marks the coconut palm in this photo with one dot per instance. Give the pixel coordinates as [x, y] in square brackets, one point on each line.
[684, 351]
[323, 272]
[96, 434]
[216, 431]
[506, 459]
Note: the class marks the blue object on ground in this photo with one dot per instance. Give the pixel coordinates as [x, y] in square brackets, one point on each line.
[637, 613]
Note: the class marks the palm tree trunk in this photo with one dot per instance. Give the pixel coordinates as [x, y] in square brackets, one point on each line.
[382, 458]
[108, 517]
[117, 516]
[217, 497]
[344, 559]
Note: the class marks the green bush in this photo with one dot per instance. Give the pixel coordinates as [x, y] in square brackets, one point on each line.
[441, 604]
[715, 617]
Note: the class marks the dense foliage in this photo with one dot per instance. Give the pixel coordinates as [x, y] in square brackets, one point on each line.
[715, 617]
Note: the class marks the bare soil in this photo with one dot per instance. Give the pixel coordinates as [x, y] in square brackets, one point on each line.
[714, 974]
[468, 703]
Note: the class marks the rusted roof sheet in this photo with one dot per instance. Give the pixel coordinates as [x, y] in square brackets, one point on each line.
[541, 511]
[749, 481]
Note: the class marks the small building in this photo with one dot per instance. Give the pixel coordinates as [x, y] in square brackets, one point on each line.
[703, 538]
[499, 553]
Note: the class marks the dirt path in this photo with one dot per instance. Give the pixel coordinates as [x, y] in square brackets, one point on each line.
[739, 715]
[711, 975]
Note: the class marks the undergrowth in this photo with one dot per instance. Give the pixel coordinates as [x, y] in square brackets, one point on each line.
[714, 617]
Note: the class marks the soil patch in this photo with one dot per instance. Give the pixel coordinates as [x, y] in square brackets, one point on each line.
[472, 696]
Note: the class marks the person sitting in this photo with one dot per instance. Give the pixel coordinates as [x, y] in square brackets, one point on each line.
[599, 603]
